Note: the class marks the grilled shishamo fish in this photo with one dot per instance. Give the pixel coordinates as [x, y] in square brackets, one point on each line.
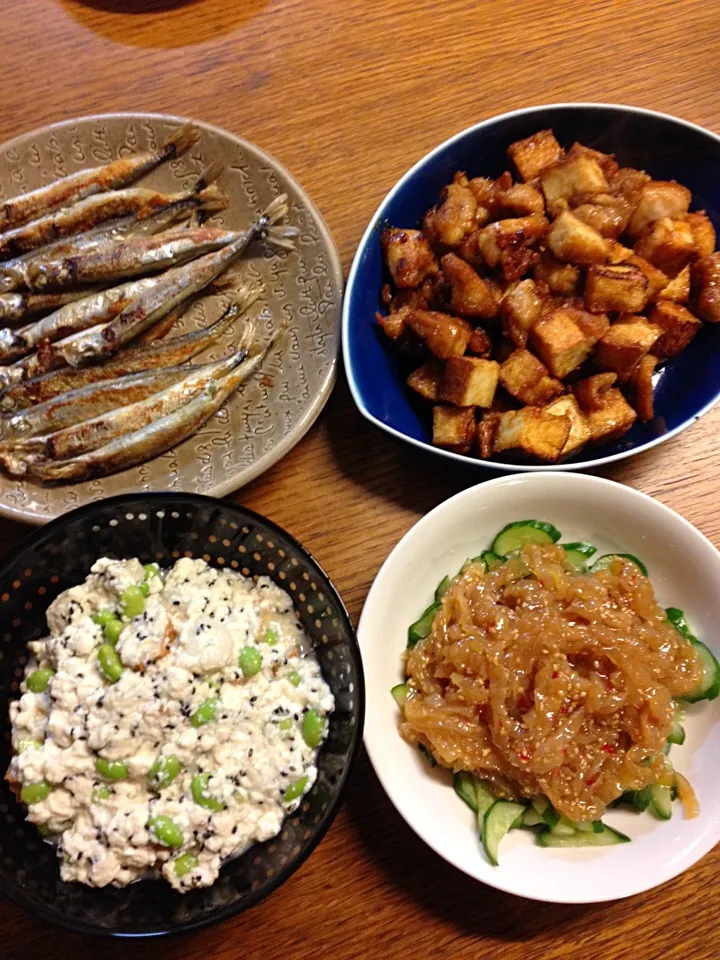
[132, 359]
[140, 445]
[76, 186]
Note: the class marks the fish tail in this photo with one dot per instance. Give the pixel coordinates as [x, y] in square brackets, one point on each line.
[211, 198]
[275, 211]
[283, 237]
[180, 140]
[209, 175]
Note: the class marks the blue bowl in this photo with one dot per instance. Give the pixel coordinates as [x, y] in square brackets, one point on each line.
[668, 148]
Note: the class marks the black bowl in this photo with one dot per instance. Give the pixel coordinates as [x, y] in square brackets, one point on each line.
[164, 527]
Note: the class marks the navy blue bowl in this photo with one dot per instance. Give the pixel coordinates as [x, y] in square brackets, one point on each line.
[668, 148]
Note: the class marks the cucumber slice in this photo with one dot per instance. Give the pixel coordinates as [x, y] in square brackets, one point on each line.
[464, 784]
[641, 799]
[399, 694]
[602, 563]
[564, 828]
[577, 560]
[426, 753]
[501, 816]
[606, 837]
[709, 686]
[546, 810]
[485, 799]
[442, 589]
[677, 734]
[422, 627]
[598, 826]
[490, 559]
[581, 547]
[660, 801]
[677, 619]
[531, 818]
[516, 535]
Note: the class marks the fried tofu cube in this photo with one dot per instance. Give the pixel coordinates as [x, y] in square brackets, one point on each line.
[453, 217]
[453, 427]
[480, 343]
[606, 213]
[657, 280]
[641, 387]
[593, 325]
[485, 434]
[629, 183]
[619, 253]
[534, 153]
[427, 378]
[532, 432]
[579, 435]
[409, 257]
[446, 336]
[677, 326]
[659, 199]
[469, 382]
[521, 200]
[615, 287]
[562, 278]
[608, 163]
[625, 344]
[679, 287]
[559, 342]
[703, 232]
[591, 390]
[522, 305]
[526, 378]
[706, 282]
[573, 241]
[612, 419]
[668, 244]
[393, 325]
[578, 175]
[470, 295]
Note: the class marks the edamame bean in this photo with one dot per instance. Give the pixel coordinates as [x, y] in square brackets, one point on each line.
[250, 661]
[144, 588]
[295, 790]
[286, 724]
[38, 680]
[102, 793]
[103, 616]
[204, 713]
[163, 772]
[111, 769]
[166, 831]
[35, 792]
[295, 678]
[109, 663]
[29, 745]
[270, 635]
[201, 794]
[313, 729]
[112, 630]
[132, 602]
[151, 570]
[185, 863]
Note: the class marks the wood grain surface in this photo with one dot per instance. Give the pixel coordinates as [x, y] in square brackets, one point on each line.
[348, 95]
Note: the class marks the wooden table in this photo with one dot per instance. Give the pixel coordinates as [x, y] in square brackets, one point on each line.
[348, 95]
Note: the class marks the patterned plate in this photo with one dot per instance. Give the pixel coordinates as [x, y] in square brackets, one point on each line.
[267, 416]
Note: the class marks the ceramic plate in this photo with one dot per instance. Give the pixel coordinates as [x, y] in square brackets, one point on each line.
[684, 568]
[272, 412]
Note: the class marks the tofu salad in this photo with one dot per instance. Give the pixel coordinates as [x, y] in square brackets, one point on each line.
[170, 720]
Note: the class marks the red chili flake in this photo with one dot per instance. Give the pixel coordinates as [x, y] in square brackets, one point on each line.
[524, 702]
[564, 708]
[608, 748]
[555, 675]
[267, 381]
[524, 754]
[591, 781]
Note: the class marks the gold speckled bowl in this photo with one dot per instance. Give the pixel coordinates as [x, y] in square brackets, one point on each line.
[269, 414]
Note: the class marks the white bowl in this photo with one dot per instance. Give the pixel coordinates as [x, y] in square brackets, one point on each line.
[685, 570]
